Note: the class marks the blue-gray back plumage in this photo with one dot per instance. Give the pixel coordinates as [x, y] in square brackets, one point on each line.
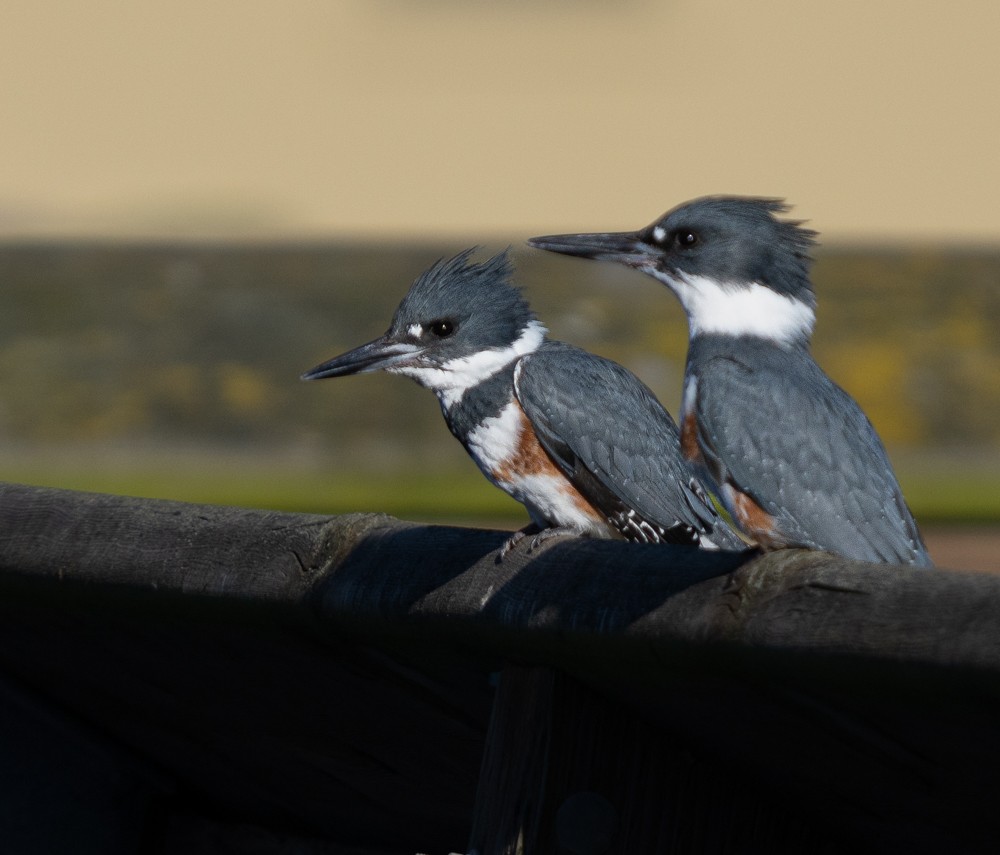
[616, 443]
[783, 433]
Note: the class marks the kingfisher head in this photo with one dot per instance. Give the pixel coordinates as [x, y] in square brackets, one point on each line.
[459, 323]
[735, 265]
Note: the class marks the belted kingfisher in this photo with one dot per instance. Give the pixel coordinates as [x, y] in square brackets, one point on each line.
[796, 461]
[577, 439]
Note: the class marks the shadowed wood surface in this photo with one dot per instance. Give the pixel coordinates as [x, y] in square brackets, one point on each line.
[199, 672]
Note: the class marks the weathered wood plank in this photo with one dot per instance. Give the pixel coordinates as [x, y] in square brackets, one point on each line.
[377, 574]
[647, 599]
[863, 698]
[186, 637]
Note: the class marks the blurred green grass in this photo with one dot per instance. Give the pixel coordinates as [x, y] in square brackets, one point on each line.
[959, 498]
[460, 496]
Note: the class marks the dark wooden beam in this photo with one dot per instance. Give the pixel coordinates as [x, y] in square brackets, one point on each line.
[858, 702]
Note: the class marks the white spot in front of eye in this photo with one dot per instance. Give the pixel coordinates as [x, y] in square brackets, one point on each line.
[415, 330]
[659, 233]
[451, 379]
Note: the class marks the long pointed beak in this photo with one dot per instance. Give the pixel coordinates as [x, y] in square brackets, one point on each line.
[375, 355]
[623, 247]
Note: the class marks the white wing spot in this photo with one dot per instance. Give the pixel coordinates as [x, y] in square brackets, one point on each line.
[690, 396]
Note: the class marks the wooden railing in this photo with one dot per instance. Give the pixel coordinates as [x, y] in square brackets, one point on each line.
[176, 673]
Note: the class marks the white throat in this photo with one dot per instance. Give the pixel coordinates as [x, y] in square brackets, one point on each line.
[450, 380]
[744, 309]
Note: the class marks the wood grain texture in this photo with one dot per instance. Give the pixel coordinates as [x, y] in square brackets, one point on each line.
[330, 675]
[375, 574]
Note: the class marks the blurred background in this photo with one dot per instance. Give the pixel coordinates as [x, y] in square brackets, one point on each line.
[198, 201]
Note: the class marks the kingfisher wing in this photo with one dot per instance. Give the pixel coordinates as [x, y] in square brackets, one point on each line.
[617, 445]
[801, 447]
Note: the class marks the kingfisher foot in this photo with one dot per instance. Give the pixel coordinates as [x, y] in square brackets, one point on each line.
[554, 531]
[516, 538]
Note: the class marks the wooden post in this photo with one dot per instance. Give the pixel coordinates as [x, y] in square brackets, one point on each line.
[570, 771]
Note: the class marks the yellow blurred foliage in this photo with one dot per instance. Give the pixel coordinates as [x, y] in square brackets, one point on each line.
[241, 388]
[180, 383]
[875, 373]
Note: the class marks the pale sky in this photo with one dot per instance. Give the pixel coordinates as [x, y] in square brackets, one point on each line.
[318, 118]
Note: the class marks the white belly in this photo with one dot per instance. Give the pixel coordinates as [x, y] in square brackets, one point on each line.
[507, 452]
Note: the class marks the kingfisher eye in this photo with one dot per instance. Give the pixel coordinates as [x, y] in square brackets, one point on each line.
[441, 328]
[686, 238]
